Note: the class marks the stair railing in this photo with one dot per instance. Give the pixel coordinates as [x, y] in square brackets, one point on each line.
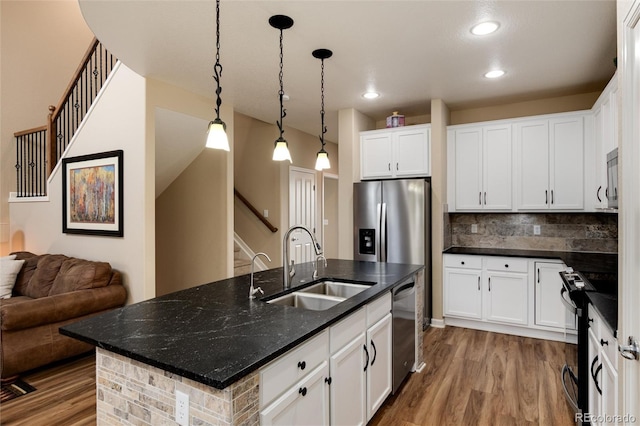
[255, 211]
[39, 150]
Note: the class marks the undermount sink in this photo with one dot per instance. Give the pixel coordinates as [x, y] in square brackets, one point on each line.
[320, 296]
[314, 302]
[337, 289]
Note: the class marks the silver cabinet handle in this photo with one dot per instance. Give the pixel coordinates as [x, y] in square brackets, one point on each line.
[389, 165]
[478, 283]
[489, 283]
[397, 167]
[480, 197]
[552, 196]
[546, 196]
[485, 198]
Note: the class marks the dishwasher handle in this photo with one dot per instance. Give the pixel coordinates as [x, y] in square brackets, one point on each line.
[404, 291]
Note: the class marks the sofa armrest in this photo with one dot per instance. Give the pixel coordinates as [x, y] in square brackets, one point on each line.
[61, 307]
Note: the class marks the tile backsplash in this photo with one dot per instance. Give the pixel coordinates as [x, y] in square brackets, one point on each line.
[586, 232]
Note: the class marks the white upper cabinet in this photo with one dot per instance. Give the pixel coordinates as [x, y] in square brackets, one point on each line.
[605, 112]
[396, 152]
[551, 163]
[482, 167]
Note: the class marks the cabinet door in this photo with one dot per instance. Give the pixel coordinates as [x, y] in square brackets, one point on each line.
[468, 175]
[567, 164]
[348, 384]
[550, 311]
[376, 155]
[463, 296]
[507, 298]
[306, 403]
[609, 385]
[600, 167]
[533, 145]
[594, 403]
[496, 168]
[379, 369]
[411, 152]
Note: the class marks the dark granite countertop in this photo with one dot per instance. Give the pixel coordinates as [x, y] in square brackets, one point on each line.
[215, 335]
[607, 307]
[606, 263]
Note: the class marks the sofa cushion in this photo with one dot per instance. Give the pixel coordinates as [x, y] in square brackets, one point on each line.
[29, 267]
[79, 274]
[43, 277]
[9, 270]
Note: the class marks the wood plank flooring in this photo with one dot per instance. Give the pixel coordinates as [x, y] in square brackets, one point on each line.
[471, 378]
[481, 378]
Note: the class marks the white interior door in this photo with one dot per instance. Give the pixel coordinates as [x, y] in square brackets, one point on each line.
[629, 245]
[302, 211]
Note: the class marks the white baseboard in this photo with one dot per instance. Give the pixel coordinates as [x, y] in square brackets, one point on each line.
[437, 323]
[421, 367]
[515, 330]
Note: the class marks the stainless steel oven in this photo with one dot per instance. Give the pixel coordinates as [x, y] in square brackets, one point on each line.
[575, 376]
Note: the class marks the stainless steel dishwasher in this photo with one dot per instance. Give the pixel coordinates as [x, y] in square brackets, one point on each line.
[404, 330]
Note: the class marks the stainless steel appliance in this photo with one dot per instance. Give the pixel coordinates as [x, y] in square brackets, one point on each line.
[404, 331]
[392, 223]
[574, 375]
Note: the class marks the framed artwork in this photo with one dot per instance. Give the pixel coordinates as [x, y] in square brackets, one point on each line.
[92, 194]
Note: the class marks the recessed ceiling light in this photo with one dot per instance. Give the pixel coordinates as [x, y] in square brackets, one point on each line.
[494, 74]
[370, 95]
[485, 28]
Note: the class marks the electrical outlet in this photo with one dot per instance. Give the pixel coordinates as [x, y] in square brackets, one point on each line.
[474, 228]
[536, 229]
[182, 408]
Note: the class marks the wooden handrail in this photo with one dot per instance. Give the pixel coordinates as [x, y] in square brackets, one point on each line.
[26, 132]
[76, 76]
[255, 211]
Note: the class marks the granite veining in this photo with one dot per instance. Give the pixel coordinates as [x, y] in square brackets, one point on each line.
[215, 335]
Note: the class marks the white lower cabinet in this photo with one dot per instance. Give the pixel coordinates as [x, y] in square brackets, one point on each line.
[306, 403]
[340, 377]
[603, 373]
[497, 293]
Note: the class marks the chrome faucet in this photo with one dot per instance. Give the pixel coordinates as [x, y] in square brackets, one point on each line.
[289, 272]
[252, 291]
[315, 271]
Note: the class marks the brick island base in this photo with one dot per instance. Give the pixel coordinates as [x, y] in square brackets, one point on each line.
[133, 393]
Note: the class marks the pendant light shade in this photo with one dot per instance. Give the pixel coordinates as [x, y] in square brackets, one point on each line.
[281, 149]
[322, 159]
[216, 133]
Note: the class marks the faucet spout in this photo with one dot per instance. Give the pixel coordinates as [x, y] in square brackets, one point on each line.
[289, 270]
[252, 291]
[315, 271]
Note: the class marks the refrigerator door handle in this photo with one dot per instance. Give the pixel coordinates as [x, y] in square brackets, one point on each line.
[383, 234]
[377, 242]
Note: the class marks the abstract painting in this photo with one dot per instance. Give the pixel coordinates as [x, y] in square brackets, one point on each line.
[92, 194]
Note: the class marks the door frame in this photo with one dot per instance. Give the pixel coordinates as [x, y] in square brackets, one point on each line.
[325, 176]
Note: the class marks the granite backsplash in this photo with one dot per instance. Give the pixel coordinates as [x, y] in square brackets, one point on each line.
[582, 232]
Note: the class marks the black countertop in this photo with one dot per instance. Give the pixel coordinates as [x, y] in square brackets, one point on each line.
[600, 269]
[215, 335]
[605, 263]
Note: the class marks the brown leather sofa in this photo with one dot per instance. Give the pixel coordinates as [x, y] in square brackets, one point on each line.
[52, 290]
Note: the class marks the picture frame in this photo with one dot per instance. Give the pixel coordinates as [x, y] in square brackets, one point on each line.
[92, 194]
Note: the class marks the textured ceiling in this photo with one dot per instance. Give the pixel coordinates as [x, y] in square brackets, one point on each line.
[409, 51]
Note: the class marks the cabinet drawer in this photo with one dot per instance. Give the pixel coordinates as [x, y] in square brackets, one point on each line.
[377, 309]
[282, 373]
[347, 330]
[463, 261]
[506, 264]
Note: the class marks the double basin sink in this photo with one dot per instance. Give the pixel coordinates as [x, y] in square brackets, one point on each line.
[320, 296]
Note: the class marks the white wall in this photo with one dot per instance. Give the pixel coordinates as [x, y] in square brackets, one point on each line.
[116, 121]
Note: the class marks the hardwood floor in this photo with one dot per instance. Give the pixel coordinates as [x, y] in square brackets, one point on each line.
[470, 378]
[65, 395]
[481, 378]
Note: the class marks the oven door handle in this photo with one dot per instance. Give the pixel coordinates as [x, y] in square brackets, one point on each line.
[566, 372]
[569, 304]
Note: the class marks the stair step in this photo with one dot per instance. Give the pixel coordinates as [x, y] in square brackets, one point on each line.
[241, 262]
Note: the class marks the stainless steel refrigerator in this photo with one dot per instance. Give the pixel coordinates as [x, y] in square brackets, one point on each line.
[392, 223]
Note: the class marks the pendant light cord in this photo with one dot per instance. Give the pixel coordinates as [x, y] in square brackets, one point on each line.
[217, 68]
[283, 112]
[324, 128]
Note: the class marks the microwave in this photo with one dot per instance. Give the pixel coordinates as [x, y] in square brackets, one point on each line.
[612, 179]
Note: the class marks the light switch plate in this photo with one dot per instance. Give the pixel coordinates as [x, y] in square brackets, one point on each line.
[265, 213]
[474, 228]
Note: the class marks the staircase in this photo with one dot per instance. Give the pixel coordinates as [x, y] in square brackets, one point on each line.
[241, 262]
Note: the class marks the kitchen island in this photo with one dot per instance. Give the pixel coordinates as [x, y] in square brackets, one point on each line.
[210, 341]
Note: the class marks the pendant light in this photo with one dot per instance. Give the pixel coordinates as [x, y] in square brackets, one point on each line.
[216, 134]
[281, 150]
[322, 159]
